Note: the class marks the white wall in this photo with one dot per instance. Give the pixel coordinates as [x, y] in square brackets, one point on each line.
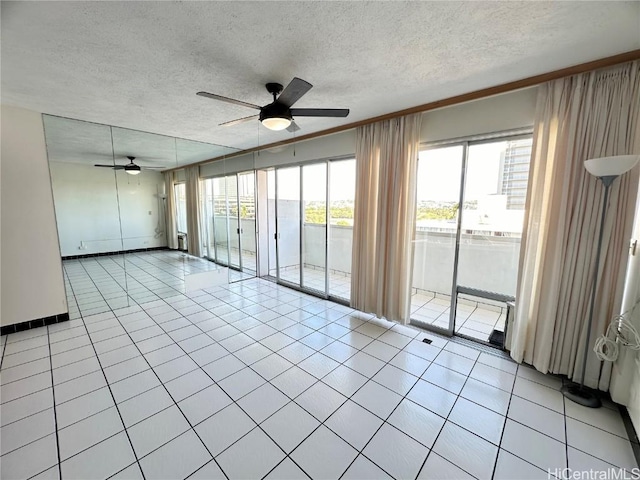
[31, 274]
[625, 376]
[86, 202]
[494, 114]
[332, 146]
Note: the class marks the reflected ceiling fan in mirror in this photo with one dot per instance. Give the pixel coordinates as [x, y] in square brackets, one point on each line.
[279, 115]
[130, 168]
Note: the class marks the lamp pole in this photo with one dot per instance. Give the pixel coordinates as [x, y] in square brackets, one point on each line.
[607, 169]
[580, 395]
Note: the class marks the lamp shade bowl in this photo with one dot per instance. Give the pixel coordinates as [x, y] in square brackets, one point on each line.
[611, 166]
[276, 123]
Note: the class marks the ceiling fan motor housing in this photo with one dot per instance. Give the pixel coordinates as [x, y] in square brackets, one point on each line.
[275, 110]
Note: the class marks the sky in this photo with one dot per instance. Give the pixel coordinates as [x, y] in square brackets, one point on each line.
[439, 172]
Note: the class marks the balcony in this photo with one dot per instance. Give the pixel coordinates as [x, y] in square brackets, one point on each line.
[486, 261]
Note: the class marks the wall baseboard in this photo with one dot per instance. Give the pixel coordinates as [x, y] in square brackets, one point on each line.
[119, 252]
[38, 322]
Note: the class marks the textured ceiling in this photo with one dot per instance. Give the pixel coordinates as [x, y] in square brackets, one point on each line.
[139, 64]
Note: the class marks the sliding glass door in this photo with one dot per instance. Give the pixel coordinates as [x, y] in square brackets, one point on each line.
[233, 226]
[342, 196]
[247, 220]
[220, 230]
[314, 227]
[438, 200]
[310, 226]
[491, 228]
[288, 247]
[470, 212]
[230, 215]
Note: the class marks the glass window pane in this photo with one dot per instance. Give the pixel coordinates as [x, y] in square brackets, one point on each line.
[342, 194]
[233, 220]
[438, 198]
[181, 207]
[271, 221]
[247, 200]
[314, 189]
[289, 224]
[220, 221]
[207, 233]
[492, 220]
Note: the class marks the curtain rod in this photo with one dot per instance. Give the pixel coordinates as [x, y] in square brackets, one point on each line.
[447, 102]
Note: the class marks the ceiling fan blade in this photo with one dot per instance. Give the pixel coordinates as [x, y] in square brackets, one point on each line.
[213, 96]
[319, 112]
[293, 127]
[115, 167]
[153, 168]
[239, 120]
[294, 91]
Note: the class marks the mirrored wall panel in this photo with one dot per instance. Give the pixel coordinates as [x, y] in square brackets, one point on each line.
[118, 208]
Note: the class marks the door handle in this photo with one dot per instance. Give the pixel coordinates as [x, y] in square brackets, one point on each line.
[633, 246]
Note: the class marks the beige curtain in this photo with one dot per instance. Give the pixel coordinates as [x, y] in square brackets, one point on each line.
[580, 117]
[192, 190]
[384, 218]
[170, 213]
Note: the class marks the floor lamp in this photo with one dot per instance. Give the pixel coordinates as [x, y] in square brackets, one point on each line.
[607, 169]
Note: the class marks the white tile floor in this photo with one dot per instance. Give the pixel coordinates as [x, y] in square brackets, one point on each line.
[314, 279]
[254, 380]
[473, 319]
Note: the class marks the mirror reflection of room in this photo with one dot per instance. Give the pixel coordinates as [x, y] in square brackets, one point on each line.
[121, 201]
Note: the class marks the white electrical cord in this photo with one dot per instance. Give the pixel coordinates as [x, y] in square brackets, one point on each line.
[619, 332]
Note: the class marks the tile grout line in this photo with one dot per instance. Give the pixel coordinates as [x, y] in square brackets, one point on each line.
[384, 420]
[55, 410]
[335, 339]
[266, 381]
[504, 425]
[347, 367]
[321, 352]
[322, 423]
[566, 430]
[191, 428]
[135, 455]
[4, 347]
[475, 362]
[249, 392]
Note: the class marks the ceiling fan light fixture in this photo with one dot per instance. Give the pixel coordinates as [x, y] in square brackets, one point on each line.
[132, 169]
[276, 123]
[275, 116]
